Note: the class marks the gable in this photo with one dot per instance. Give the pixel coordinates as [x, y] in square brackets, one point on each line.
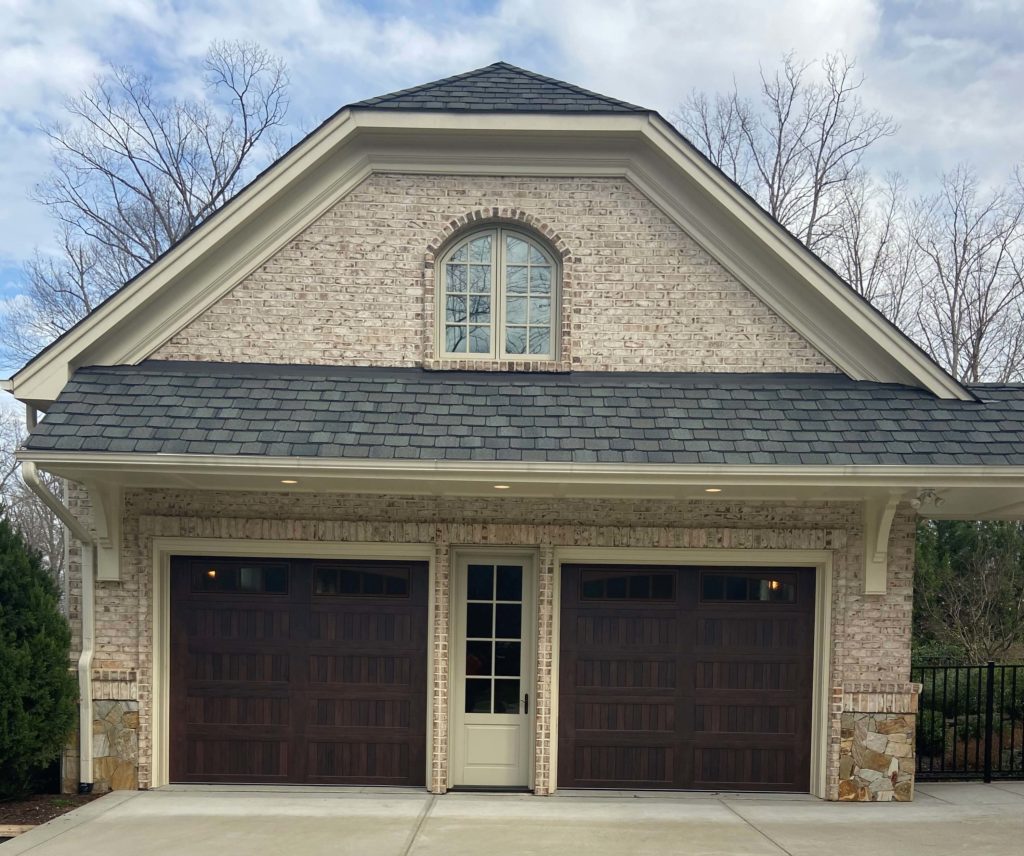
[354, 144]
[351, 288]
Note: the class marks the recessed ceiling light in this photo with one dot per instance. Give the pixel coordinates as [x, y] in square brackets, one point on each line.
[289, 481]
[712, 490]
[502, 486]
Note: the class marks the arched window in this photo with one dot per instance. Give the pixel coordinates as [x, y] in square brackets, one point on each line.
[498, 297]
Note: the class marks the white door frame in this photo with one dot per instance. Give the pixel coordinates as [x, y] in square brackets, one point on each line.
[165, 548]
[529, 559]
[819, 560]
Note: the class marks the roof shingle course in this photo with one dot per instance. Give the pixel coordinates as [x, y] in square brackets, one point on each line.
[499, 88]
[232, 409]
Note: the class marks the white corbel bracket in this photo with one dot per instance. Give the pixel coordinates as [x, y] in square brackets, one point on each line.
[106, 512]
[879, 512]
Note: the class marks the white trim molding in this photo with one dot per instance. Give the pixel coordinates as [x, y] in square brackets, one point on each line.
[966, 492]
[879, 512]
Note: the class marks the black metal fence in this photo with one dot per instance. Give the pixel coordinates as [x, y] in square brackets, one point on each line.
[971, 722]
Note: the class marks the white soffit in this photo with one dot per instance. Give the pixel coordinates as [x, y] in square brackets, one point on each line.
[964, 492]
[345, 150]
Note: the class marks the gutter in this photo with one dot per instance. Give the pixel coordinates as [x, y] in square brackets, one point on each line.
[78, 531]
[747, 475]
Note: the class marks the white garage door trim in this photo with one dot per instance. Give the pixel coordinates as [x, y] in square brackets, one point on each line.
[164, 548]
[820, 560]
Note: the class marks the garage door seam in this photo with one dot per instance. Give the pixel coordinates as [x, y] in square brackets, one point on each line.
[429, 807]
[756, 829]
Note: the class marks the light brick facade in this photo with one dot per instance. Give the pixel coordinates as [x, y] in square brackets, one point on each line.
[870, 645]
[356, 287]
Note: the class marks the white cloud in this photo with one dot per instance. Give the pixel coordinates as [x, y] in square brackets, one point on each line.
[654, 53]
[948, 71]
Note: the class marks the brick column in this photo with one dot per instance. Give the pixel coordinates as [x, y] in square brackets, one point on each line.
[438, 783]
[543, 778]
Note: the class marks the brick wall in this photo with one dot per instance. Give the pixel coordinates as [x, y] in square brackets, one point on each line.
[356, 287]
[870, 634]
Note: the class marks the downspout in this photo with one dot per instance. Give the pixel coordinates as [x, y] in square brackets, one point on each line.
[78, 531]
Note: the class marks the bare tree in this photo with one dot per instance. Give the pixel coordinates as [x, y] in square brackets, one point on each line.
[134, 172]
[39, 526]
[971, 311]
[873, 249]
[796, 150]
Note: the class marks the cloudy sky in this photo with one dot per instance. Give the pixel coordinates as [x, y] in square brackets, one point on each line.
[949, 71]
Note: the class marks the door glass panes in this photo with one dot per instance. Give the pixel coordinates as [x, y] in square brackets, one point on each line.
[494, 645]
[468, 280]
[528, 295]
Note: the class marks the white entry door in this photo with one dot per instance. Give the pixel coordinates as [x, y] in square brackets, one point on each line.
[493, 693]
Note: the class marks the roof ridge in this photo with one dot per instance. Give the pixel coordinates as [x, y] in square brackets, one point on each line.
[439, 86]
[571, 87]
[376, 99]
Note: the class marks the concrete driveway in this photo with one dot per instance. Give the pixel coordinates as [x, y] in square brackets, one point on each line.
[971, 819]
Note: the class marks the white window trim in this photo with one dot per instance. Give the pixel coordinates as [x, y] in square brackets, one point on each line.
[498, 297]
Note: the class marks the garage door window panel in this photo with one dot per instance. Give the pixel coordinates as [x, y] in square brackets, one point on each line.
[217, 577]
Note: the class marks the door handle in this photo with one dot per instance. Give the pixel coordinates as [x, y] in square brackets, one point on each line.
[526, 703]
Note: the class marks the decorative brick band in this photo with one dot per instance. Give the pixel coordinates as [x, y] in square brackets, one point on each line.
[881, 698]
[454, 229]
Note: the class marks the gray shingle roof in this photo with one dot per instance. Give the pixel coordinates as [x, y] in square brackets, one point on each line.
[340, 412]
[500, 88]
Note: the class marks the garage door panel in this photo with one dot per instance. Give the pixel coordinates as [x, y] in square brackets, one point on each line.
[360, 670]
[624, 715]
[237, 760]
[364, 627]
[613, 673]
[359, 762]
[627, 631]
[232, 622]
[343, 711]
[707, 686]
[750, 718]
[743, 768]
[241, 666]
[623, 766]
[739, 674]
[314, 673]
[752, 635]
[253, 709]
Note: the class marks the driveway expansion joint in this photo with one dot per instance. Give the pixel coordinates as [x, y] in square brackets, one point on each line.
[757, 829]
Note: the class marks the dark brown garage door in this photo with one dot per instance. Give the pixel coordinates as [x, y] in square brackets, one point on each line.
[298, 671]
[685, 678]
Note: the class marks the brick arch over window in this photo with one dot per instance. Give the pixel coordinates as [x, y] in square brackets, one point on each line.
[454, 230]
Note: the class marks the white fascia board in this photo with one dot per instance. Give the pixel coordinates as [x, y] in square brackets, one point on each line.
[848, 475]
[906, 357]
[42, 378]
